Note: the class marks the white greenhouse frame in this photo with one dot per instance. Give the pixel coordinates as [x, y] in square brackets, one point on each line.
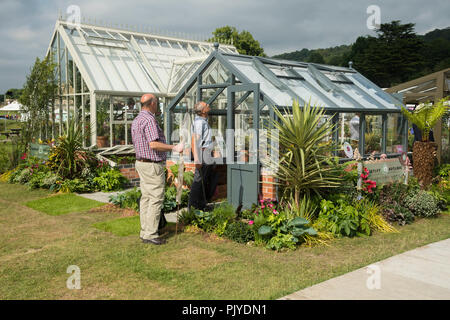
[110, 65]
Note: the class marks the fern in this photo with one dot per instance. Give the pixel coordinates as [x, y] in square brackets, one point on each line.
[425, 116]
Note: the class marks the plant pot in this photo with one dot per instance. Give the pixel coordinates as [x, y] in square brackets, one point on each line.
[424, 154]
[102, 141]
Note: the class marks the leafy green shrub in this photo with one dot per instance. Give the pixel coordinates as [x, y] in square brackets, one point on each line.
[440, 197]
[342, 218]
[373, 213]
[23, 175]
[204, 220]
[73, 185]
[443, 170]
[393, 212]
[222, 215]
[49, 180]
[392, 198]
[129, 199]
[239, 231]
[422, 204]
[187, 217]
[36, 180]
[211, 221]
[110, 180]
[188, 176]
[170, 199]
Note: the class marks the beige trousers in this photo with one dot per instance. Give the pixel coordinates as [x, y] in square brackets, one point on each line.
[152, 184]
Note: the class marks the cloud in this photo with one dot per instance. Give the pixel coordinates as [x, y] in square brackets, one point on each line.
[280, 26]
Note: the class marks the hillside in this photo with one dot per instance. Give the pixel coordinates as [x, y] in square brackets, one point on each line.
[397, 54]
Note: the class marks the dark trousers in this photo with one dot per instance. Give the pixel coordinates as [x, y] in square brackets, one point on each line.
[205, 179]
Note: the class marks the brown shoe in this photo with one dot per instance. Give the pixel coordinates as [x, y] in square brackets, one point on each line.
[156, 241]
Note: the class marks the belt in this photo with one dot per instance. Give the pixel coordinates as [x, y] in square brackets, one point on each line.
[148, 160]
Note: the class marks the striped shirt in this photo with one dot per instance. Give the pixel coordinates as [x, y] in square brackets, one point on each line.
[144, 130]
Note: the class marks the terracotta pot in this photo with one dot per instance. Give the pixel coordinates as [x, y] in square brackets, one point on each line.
[424, 154]
[102, 141]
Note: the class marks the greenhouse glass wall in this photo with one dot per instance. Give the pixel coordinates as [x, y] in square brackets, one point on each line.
[102, 73]
[366, 117]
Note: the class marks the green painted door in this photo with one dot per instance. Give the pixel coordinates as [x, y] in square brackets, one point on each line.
[243, 167]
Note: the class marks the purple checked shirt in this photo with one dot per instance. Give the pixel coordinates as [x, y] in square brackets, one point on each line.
[144, 130]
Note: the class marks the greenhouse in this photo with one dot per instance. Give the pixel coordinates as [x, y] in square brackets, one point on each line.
[367, 118]
[102, 73]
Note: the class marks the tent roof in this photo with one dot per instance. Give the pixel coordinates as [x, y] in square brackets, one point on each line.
[115, 60]
[13, 106]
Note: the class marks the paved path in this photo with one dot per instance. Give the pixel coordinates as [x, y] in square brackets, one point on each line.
[422, 273]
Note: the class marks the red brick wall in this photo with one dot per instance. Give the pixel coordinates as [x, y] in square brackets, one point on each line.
[268, 190]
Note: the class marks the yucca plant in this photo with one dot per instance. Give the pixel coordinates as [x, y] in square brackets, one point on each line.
[425, 117]
[67, 157]
[303, 166]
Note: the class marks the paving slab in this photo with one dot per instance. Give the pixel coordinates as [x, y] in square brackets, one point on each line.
[422, 273]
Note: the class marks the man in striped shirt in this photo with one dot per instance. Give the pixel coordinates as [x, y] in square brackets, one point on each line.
[150, 147]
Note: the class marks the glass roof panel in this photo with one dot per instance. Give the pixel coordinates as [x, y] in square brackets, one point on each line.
[299, 87]
[280, 97]
[336, 98]
[377, 93]
[120, 60]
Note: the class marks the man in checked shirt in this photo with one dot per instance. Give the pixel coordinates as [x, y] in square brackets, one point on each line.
[150, 146]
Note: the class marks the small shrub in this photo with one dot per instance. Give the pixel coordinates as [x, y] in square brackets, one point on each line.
[422, 204]
[129, 199]
[187, 217]
[396, 213]
[239, 231]
[74, 185]
[170, 199]
[23, 176]
[110, 180]
[342, 218]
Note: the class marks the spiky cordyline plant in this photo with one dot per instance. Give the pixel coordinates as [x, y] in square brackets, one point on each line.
[426, 115]
[303, 167]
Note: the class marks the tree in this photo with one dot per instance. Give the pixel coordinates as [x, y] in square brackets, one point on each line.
[316, 57]
[13, 93]
[243, 41]
[425, 116]
[39, 93]
[391, 57]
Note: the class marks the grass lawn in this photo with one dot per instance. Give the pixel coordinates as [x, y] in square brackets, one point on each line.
[62, 204]
[37, 248]
[124, 226]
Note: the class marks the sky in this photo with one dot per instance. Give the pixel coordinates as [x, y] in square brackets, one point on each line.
[279, 25]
